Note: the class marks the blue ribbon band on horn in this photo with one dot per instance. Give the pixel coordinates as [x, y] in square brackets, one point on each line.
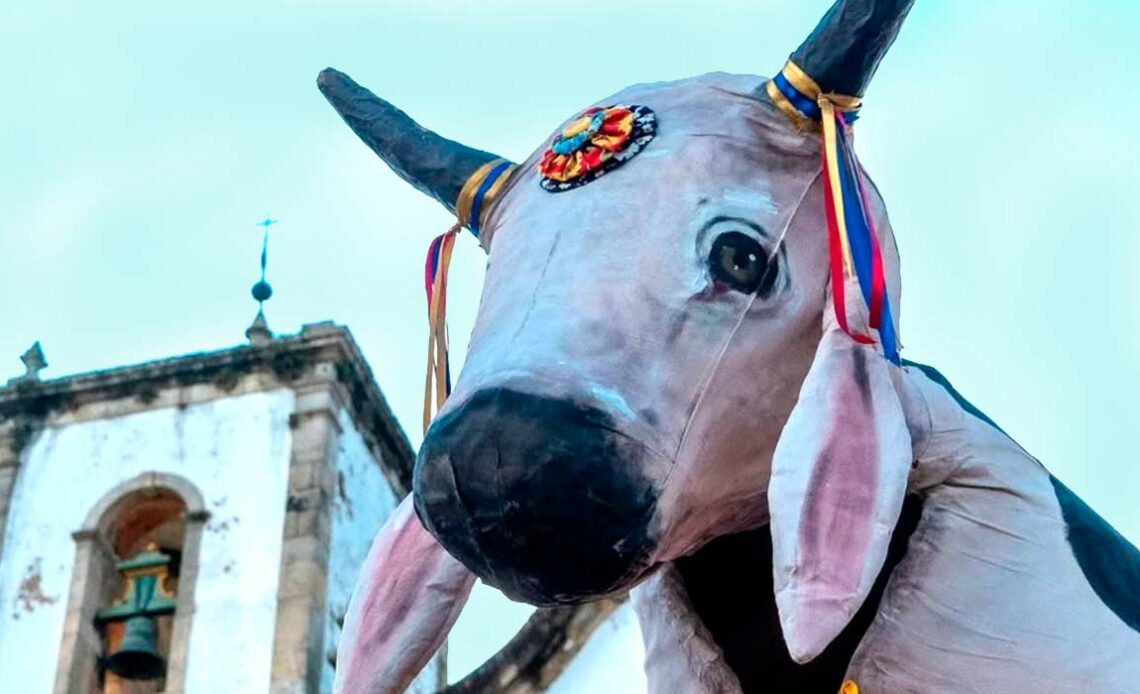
[798, 100]
[478, 192]
[797, 95]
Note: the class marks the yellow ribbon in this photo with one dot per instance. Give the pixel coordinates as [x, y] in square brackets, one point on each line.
[467, 193]
[830, 143]
[436, 381]
[437, 332]
[808, 87]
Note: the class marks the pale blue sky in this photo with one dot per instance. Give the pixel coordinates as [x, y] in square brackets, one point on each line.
[140, 142]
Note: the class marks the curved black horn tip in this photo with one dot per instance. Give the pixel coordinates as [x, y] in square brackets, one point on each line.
[331, 78]
[844, 51]
[431, 163]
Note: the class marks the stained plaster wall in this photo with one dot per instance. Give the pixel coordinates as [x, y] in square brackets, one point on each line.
[610, 661]
[362, 504]
[235, 450]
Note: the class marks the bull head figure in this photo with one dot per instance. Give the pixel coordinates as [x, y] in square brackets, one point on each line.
[631, 386]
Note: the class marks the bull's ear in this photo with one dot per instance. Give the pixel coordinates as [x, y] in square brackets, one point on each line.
[409, 593]
[839, 477]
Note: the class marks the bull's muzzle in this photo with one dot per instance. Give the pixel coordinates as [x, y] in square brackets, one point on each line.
[543, 498]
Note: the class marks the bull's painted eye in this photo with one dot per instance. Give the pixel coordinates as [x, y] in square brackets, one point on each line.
[740, 261]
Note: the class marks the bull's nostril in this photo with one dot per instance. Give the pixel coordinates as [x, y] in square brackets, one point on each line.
[541, 497]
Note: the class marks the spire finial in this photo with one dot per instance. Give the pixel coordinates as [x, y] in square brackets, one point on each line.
[258, 332]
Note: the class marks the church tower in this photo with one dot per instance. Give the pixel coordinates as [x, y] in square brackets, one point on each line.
[192, 524]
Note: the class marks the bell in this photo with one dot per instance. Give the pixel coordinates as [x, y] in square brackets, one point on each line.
[137, 657]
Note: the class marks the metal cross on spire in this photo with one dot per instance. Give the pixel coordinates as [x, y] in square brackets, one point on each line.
[262, 291]
[259, 333]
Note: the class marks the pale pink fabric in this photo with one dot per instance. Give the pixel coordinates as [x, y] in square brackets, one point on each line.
[989, 597]
[839, 477]
[409, 593]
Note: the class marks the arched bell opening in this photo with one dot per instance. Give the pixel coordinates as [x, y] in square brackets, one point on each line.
[131, 598]
[147, 531]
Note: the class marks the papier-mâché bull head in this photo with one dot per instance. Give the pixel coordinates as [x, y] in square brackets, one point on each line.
[683, 335]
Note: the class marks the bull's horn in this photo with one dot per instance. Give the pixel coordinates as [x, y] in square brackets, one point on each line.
[844, 51]
[433, 164]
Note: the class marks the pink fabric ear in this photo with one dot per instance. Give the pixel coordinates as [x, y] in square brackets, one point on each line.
[839, 477]
[407, 598]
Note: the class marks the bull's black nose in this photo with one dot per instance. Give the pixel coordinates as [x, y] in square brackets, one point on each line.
[542, 498]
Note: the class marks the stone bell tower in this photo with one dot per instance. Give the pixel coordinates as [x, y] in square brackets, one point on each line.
[193, 524]
[249, 481]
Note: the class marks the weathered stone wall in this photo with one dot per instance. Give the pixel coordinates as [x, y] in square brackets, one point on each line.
[233, 445]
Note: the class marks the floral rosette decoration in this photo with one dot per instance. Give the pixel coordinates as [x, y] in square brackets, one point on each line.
[595, 142]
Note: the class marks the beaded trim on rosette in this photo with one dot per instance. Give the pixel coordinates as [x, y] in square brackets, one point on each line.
[593, 143]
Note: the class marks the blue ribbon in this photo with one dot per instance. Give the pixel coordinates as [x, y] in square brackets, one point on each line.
[856, 216]
[477, 201]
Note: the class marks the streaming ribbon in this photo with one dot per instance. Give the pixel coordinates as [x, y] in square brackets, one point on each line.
[435, 284]
[477, 193]
[852, 241]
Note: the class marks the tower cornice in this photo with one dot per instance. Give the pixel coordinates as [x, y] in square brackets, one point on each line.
[319, 352]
